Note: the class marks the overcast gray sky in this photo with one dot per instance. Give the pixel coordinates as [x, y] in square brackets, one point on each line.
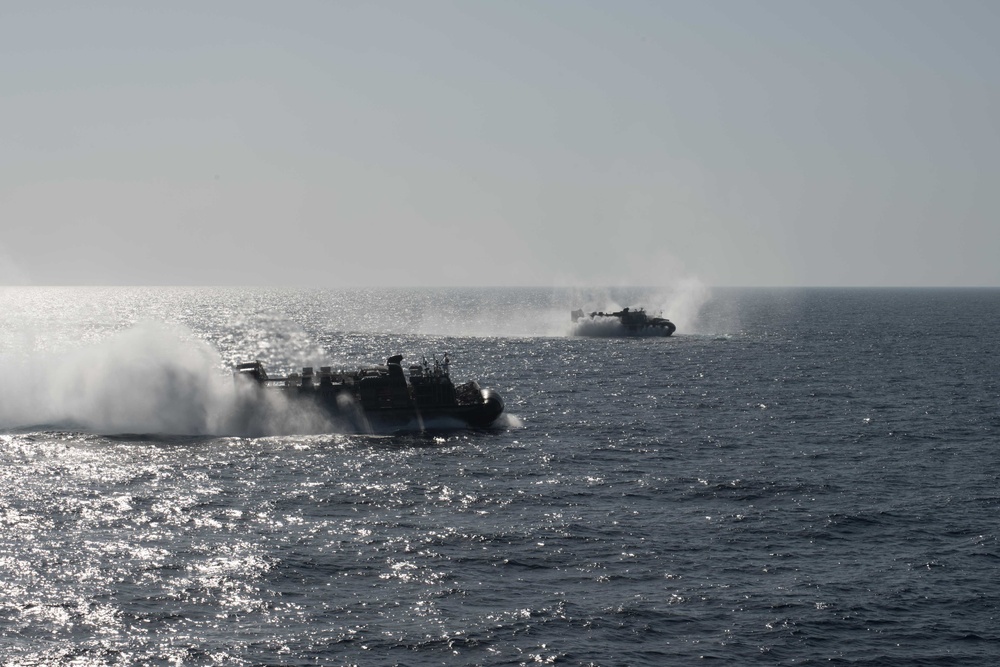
[340, 143]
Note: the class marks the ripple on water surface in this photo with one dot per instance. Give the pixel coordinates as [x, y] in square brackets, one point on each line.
[767, 493]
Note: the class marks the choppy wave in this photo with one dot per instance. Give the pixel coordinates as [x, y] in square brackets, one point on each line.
[791, 492]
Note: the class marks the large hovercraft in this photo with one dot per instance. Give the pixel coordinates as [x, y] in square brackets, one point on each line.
[623, 322]
[380, 398]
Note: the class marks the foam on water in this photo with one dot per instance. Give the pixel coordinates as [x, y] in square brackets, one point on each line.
[154, 378]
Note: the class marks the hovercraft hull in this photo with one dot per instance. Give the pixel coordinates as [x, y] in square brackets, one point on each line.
[374, 400]
[626, 322]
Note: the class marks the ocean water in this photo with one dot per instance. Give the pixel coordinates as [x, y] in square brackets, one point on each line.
[795, 477]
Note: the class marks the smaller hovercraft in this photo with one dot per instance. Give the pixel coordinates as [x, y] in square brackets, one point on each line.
[381, 398]
[629, 322]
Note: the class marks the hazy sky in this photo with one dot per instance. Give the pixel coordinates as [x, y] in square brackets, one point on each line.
[512, 142]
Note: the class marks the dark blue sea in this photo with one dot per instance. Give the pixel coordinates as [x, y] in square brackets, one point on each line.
[797, 476]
